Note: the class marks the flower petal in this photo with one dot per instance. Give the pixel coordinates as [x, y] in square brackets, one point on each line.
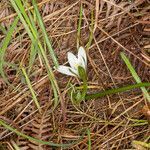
[73, 61]
[74, 71]
[66, 70]
[82, 57]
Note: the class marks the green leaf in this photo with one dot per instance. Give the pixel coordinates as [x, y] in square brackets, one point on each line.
[31, 89]
[82, 73]
[134, 74]
[33, 53]
[5, 44]
[89, 139]
[2, 123]
[83, 76]
[32, 32]
[79, 26]
[41, 24]
[91, 28]
[114, 91]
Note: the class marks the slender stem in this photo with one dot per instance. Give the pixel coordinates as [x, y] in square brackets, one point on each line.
[84, 91]
[83, 76]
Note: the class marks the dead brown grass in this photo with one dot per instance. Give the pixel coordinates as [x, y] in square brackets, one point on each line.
[119, 26]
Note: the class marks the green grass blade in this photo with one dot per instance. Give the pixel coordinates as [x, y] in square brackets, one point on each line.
[34, 45]
[22, 19]
[135, 75]
[31, 89]
[33, 36]
[137, 122]
[114, 91]
[32, 22]
[91, 31]
[2, 123]
[5, 43]
[33, 53]
[23, 12]
[41, 24]
[7, 39]
[89, 139]
[79, 26]
[16, 147]
[50, 75]
[27, 22]
[143, 144]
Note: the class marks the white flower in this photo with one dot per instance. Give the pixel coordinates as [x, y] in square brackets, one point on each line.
[74, 63]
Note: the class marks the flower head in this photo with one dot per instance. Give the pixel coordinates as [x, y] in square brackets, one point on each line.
[74, 62]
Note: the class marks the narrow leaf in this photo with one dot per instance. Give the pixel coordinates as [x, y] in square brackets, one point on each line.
[2, 123]
[114, 91]
[79, 26]
[134, 74]
[39, 19]
[5, 44]
[31, 89]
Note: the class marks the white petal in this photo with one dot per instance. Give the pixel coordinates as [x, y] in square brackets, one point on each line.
[73, 61]
[66, 70]
[74, 71]
[82, 57]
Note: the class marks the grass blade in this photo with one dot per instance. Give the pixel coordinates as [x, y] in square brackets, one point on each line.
[33, 53]
[79, 26]
[22, 19]
[31, 89]
[143, 144]
[114, 91]
[2, 123]
[41, 24]
[135, 75]
[34, 37]
[22, 10]
[5, 43]
[16, 147]
[89, 139]
[91, 28]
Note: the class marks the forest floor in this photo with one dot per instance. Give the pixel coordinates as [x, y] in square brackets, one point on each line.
[37, 107]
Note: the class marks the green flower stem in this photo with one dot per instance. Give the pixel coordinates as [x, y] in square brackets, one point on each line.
[83, 76]
[85, 87]
[114, 91]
